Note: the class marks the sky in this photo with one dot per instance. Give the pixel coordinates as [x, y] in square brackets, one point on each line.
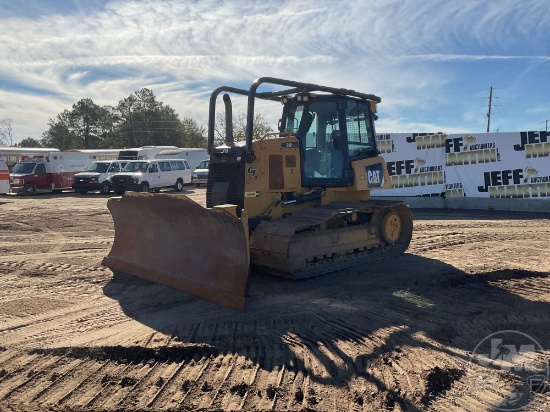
[432, 62]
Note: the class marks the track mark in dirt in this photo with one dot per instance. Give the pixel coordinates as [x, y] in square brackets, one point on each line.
[460, 279]
[389, 340]
[131, 354]
[31, 306]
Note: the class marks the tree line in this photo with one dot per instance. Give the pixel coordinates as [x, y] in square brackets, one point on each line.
[138, 120]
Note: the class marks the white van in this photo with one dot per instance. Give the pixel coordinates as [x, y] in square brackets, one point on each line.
[4, 177]
[200, 174]
[97, 176]
[147, 175]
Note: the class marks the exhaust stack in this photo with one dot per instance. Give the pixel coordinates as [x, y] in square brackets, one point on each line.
[228, 120]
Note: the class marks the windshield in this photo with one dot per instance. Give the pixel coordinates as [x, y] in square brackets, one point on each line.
[98, 167]
[24, 168]
[136, 167]
[204, 164]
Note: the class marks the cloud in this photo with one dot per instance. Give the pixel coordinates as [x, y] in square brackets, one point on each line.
[401, 50]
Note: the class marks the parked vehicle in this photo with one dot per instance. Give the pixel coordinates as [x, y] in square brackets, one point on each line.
[98, 154]
[4, 176]
[200, 174]
[147, 175]
[97, 176]
[266, 209]
[12, 155]
[47, 172]
[143, 152]
[193, 155]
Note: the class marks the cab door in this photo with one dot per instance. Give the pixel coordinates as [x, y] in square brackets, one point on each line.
[41, 179]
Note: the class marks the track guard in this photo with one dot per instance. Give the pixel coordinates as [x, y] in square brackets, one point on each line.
[171, 240]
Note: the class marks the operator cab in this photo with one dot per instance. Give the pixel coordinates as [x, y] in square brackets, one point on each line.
[332, 130]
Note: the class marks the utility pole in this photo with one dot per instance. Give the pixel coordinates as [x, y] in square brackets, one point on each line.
[489, 112]
[546, 125]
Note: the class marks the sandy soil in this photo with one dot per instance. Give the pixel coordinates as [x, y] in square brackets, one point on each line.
[396, 335]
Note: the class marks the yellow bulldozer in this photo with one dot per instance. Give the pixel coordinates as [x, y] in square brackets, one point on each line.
[295, 203]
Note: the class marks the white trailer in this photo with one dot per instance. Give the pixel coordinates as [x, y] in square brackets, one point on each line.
[142, 153]
[193, 155]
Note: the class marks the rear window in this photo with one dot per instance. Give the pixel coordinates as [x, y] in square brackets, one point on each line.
[178, 165]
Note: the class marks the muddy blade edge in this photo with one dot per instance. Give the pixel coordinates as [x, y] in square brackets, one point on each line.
[171, 240]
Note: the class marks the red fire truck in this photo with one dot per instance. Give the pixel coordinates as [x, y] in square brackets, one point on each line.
[51, 172]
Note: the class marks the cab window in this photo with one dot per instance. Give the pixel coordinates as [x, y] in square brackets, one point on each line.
[40, 168]
[153, 168]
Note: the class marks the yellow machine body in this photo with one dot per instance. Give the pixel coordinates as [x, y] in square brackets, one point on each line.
[295, 203]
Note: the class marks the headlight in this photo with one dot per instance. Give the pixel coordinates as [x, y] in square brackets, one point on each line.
[134, 180]
[194, 176]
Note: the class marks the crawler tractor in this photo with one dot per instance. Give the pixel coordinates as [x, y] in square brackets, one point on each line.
[295, 203]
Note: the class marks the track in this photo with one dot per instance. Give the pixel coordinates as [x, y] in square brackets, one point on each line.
[321, 240]
[392, 336]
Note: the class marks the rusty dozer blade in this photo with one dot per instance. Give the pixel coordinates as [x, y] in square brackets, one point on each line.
[172, 240]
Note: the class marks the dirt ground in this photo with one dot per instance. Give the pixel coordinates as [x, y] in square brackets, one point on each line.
[397, 335]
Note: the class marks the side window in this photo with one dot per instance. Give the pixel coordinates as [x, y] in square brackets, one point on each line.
[40, 168]
[115, 167]
[361, 139]
[186, 164]
[153, 168]
[179, 165]
[165, 166]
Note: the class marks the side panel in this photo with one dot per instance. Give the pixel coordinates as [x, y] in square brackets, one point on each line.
[226, 177]
[62, 180]
[4, 177]
[371, 173]
[276, 170]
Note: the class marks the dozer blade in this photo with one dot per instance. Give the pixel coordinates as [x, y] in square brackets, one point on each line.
[172, 240]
